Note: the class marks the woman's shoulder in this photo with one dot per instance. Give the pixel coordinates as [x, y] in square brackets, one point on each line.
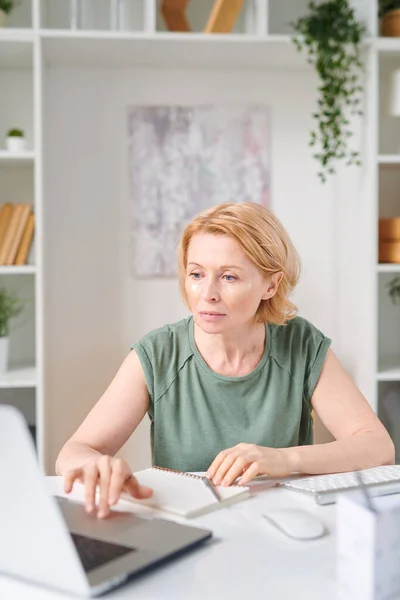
[166, 340]
[297, 341]
[297, 328]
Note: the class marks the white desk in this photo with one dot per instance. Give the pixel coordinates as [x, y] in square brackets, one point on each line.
[247, 558]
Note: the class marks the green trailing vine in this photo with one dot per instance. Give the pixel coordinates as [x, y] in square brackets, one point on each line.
[393, 288]
[331, 35]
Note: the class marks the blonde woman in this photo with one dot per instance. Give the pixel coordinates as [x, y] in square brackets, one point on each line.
[229, 390]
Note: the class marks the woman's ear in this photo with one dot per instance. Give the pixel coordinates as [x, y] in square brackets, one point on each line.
[272, 285]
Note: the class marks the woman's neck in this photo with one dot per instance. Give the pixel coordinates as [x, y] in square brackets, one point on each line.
[234, 353]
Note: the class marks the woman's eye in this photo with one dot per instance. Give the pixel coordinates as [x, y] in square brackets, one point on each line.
[195, 275]
[230, 277]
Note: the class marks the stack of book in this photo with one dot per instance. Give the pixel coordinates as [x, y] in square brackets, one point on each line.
[17, 223]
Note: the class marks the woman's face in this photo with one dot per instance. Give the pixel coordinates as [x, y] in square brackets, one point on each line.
[223, 287]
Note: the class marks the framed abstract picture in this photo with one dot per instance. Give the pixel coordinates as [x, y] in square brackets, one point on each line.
[184, 159]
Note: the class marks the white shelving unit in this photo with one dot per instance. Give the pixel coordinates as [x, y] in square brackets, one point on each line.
[41, 53]
[387, 205]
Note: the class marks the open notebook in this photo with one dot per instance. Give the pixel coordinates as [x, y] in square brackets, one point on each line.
[184, 494]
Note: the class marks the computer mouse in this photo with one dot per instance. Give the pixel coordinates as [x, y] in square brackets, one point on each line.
[296, 523]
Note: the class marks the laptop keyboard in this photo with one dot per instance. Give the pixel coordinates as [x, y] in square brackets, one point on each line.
[96, 553]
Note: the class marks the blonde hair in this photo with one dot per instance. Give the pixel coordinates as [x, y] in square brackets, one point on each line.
[263, 239]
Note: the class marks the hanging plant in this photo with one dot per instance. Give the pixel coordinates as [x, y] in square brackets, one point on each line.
[393, 288]
[331, 35]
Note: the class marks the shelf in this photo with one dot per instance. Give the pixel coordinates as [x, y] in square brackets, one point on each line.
[16, 48]
[124, 49]
[388, 46]
[388, 268]
[14, 158]
[389, 369]
[389, 159]
[18, 270]
[19, 378]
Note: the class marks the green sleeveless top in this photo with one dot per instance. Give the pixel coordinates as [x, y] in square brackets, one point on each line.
[195, 413]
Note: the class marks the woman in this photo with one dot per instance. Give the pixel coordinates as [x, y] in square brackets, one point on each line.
[229, 390]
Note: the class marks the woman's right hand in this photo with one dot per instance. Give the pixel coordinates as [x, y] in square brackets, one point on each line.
[112, 475]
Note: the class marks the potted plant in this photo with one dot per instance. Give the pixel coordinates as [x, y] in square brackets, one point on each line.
[389, 14]
[331, 35]
[10, 306]
[6, 7]
[15, 140]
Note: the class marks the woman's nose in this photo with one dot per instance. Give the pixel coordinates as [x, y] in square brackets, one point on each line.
[210, 291]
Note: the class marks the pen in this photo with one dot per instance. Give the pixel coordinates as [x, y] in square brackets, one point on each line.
[212, 489]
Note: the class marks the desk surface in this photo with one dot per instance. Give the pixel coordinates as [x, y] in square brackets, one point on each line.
[247, 558]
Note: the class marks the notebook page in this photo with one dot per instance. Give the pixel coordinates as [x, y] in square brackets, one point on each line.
[184, 494]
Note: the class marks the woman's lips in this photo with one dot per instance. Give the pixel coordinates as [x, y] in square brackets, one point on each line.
[211, 316]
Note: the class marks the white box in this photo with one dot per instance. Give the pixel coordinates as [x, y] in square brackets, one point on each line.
[368, 547]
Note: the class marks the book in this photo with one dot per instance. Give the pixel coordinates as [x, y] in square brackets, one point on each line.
[184, 494]
[23, 250]
[23, 216]
[5, 217]
[10, 233]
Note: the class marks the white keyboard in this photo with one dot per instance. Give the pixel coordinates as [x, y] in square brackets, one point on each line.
[380, 481]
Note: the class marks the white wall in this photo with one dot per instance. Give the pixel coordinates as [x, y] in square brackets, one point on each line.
[16, 92]
[94, 308]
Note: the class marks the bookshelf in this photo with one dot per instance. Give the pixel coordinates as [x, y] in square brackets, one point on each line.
[81, 314]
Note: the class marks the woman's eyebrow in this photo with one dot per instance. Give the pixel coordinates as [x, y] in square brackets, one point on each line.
[222, 267]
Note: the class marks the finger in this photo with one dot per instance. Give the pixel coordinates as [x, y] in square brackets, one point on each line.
[224, 468]
[250, 473]
[104, 467]
[119, 474]
[69, 479]
[216, 463]
[90, 478]
[137, 491]
[235, 470]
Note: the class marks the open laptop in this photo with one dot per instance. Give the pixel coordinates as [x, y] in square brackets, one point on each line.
[57, 544]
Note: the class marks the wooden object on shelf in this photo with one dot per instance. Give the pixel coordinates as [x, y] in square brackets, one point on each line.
[389, 251]
[23, 216]
[174, 13]
[5, 216]
[389, 229]
[223, 16]
[390, 23]
[23, 250]
[389, 240]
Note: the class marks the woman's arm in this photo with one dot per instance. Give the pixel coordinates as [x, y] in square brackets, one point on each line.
[111, 421]
[361, 439]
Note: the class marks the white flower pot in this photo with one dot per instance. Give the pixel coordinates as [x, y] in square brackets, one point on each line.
[4, 343]
[15, 144]
[2, 18]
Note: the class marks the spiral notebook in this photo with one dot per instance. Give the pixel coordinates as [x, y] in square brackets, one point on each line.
[184, 494]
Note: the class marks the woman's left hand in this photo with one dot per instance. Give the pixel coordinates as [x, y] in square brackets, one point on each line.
[247, 461]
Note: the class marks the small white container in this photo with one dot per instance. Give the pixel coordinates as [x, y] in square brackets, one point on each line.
[15, 144]
[368, 547]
